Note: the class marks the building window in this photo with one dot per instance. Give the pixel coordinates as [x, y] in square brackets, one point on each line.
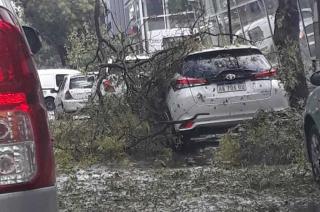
[181, 20]
[154, 7]
[252, 12]
[272, 6]
[179, 6]
[155, 23]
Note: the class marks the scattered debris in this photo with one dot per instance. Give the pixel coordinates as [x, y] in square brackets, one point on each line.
[276, 188]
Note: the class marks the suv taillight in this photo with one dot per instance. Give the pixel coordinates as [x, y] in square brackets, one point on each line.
[267, 74]
[26, 157]
[17, 145]
[186, 82]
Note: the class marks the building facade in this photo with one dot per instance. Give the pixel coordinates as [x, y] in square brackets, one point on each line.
[152, 21]
[149, 23]
[117, 19]
[254, 20]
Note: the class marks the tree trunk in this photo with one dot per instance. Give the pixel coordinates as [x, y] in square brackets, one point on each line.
[62, 54]
[286, 38]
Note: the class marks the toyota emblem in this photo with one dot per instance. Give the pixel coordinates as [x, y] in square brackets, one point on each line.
[231, 77]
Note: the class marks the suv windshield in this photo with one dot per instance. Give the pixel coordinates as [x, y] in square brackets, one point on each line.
[81, 82]
[208, 65]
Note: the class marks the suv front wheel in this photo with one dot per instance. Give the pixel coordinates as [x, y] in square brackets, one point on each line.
[314, 151]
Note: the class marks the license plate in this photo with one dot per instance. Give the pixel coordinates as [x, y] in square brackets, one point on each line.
[231, 87]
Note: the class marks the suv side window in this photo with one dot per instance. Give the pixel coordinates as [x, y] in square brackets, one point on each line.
[59, 79]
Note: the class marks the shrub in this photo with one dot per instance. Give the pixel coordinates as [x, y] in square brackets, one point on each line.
[229, 151]
[112, 133]
[274, 138]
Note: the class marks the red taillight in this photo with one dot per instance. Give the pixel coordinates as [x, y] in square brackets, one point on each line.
[266, 74]
[68, 96]
[185, 82]
[26, 156]
[108, 86]
[187, 125]
[12, 98]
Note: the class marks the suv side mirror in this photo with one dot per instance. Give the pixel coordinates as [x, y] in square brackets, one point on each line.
[315, 78]
[33, 39]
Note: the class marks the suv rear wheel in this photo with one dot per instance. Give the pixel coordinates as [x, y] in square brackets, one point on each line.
[50, 104]
[314, 151]
[178, 141]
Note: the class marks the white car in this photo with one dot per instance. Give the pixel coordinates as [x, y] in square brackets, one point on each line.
[259, 32]
[225, 86]
[50, 80]
[73, 93]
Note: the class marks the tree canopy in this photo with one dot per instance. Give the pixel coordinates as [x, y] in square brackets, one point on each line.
[56, 20]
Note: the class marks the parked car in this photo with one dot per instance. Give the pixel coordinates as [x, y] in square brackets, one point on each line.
[50, 80]
[73, 93]
[229, 85]
[259, 32]
[27, 173]
[312, 126]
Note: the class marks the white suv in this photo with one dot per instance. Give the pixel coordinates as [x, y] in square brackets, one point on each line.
[27, 173]
[226, 86]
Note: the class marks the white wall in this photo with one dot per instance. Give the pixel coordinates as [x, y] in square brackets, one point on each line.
[155, 37]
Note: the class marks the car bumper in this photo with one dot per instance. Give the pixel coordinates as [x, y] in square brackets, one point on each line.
[74, 105]
[231, 114]
[39, 200]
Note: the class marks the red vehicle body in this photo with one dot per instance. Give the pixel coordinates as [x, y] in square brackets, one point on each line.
[27, 173]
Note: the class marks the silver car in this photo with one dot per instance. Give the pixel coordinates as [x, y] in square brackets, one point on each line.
[226, 86]
[73, 93]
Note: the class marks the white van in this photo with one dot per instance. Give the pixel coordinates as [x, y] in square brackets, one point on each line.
[50, 80]
[259, 32]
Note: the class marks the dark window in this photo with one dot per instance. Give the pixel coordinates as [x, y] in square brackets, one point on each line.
[208, 65]
[256, 34]
[59, 79]
[63, 84]
[81, 82]
[154, 7]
